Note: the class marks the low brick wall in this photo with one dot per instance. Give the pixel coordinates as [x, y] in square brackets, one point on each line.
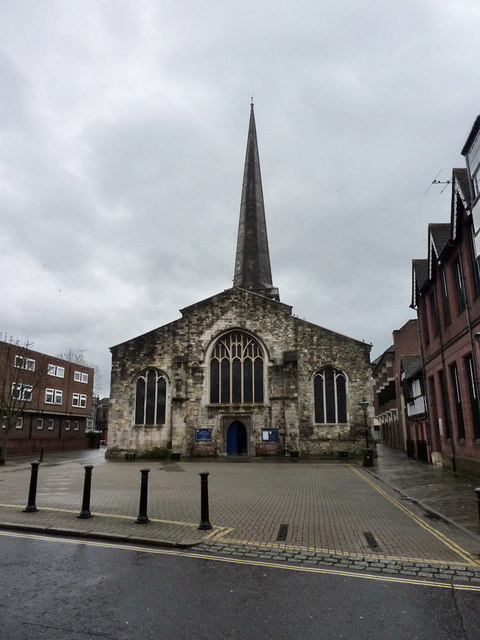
[205, 449]
[269, 449]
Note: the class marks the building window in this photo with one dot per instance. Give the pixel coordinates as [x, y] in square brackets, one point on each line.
[53, 396]
[446, 306]
[434, 307]
[444, 398]
[54, 370]
[76, 425]
[50, 424]
[21, 362]
[422, 313]
[461, 300]
[330, 395]
[472, 388]
[67, 425]
[78, 376]
[79, 400]
[150, 398]
[458, 402]
[474, 261]
[39, 423]
[19, 423]
[236, 370]
[22, 392]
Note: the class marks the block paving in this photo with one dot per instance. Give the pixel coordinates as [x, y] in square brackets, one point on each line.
[334, 515]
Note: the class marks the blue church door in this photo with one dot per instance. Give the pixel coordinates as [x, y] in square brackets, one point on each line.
[237, 439]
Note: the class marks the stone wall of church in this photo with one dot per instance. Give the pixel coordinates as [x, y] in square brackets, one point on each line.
[295, 348]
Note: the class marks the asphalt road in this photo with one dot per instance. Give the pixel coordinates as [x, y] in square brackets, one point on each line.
[54, 589]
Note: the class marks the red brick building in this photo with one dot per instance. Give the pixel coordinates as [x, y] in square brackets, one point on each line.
[57, 395]
[389, 403]
[446, 294]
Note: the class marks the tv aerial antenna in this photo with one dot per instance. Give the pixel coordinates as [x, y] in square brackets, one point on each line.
[435, 181]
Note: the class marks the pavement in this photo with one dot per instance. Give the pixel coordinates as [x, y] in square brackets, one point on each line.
[400, 517]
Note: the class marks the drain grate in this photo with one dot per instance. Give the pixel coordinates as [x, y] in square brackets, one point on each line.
[371, 541]
[282, 532]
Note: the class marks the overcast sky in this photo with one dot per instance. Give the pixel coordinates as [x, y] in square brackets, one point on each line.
[123, 126]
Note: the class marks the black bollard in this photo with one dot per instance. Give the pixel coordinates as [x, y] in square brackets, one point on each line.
[87, 486]
[41, 455]
[142, 513]
[477, 491]
[32, 494]
[204, 521]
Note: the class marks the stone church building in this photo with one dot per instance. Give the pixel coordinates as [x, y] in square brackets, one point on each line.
[238, 373]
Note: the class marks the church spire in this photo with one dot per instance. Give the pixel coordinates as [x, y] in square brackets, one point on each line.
[252, 262]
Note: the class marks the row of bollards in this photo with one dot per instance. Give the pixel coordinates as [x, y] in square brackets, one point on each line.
[142, 511]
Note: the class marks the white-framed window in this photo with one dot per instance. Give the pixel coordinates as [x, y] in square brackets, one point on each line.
[53, 396]
[79, 376]
[21, 391]
[79, 400]
[55, 370]
[50, 424]
[21, 362]
[39, 423]
[76, 425]
[18, 424]
[89, 426]
[67, 425]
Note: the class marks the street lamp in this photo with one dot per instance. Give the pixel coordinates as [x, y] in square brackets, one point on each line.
[367, 452]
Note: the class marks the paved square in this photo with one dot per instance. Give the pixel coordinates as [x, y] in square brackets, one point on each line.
[335, 508]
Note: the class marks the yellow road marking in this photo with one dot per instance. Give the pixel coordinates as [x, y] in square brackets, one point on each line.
[453, 546]
[220, 533]
[217, 530]
[242, 561]
[289, 547]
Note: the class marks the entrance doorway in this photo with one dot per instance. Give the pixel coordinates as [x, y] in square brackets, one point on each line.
[237, 439]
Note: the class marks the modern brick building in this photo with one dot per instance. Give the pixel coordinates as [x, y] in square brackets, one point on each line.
[238, 373]
[446, 295]
[56, 398]
[389, 401]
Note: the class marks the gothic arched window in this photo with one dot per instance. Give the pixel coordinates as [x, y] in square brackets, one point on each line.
[150, 397]
[330, 396]
[236, 370]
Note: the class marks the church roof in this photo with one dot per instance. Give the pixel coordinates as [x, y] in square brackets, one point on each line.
[252, 260]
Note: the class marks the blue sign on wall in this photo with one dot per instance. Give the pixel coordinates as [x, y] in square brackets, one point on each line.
[203, 434]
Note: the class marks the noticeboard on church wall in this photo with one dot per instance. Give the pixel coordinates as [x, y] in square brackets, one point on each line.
[270, 435]
[203, 435]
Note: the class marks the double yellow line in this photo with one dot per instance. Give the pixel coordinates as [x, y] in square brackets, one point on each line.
[453, 546]
[245, 562]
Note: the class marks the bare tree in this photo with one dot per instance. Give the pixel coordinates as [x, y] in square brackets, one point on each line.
[19, 375]
[76, 356]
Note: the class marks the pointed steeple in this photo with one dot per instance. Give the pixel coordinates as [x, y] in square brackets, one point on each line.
[252, 262]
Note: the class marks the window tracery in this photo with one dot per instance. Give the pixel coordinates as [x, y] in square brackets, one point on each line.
[330, 396]
[236, 370]
[150, 398]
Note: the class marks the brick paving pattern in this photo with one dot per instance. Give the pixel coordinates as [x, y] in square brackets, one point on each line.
[338, 515]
